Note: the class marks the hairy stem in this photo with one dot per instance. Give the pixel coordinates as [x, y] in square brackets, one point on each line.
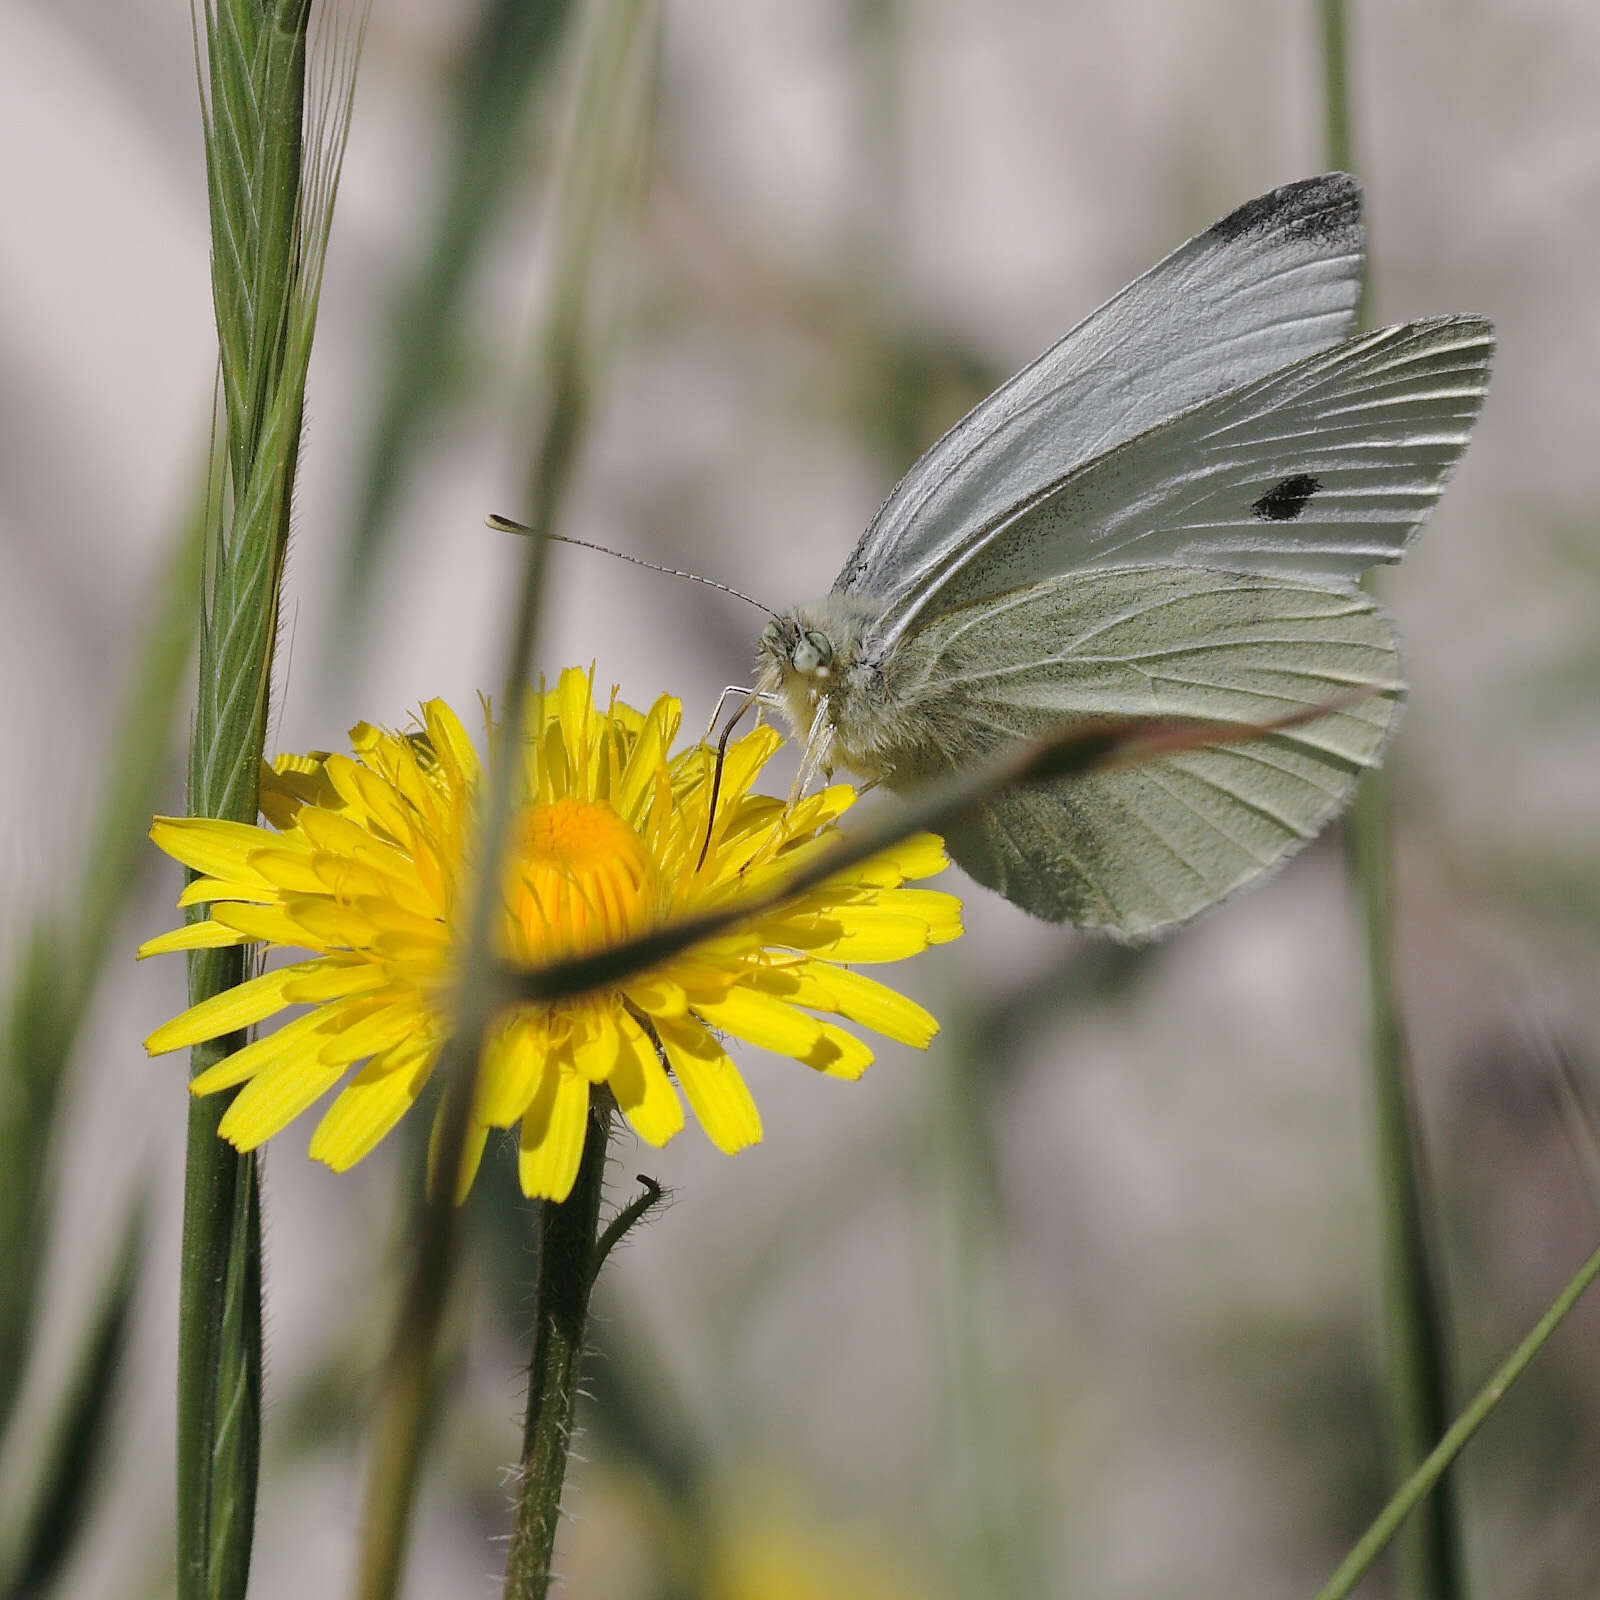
[568, 1257]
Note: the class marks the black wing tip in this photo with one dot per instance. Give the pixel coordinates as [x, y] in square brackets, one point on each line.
[1315, 210]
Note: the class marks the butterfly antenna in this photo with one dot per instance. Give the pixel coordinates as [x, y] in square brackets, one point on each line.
[506, 525]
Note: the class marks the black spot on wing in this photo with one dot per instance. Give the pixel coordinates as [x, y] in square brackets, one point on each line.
[1314, 209]
[1283, 502]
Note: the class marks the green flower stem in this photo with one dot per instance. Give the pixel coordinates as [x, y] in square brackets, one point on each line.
[1355, 1565]
[1416, 1360]
[568, 1258]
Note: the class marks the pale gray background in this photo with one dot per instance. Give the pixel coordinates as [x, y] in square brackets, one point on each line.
[1187, 1274]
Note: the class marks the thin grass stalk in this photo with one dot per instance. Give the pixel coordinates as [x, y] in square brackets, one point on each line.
[991, 1544]
[271, 201]
[72, 1461]
[1429, 1473]
[506, 61]
[62, 961]
[567, 1265]
[1416, 1340]
[588, 190]
[1071, 750]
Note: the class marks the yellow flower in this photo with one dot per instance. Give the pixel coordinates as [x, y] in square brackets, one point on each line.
[367, 864]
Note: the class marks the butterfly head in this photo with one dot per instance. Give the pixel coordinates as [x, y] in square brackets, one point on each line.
[790, 645]
[806, 654]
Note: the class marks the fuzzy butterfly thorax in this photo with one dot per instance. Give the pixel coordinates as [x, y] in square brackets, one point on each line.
[896, 718]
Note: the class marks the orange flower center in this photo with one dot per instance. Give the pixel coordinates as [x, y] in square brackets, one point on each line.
[578, 878]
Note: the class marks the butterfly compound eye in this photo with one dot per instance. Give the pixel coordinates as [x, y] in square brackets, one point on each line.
[812, 651]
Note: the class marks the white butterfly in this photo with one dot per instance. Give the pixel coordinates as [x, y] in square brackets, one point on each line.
[1165, 515]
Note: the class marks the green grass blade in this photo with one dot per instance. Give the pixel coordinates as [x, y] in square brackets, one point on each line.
[37, 1045]
[590, 181]
[509, 55]
[272, 160]
[66, 1486]
[1431, 1470]
[62, 960]
[1416, 1383]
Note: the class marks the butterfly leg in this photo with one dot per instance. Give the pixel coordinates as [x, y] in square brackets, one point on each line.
[732, 691]
[819, 752]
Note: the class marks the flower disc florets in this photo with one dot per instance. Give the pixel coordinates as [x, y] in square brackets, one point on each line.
[367, 864]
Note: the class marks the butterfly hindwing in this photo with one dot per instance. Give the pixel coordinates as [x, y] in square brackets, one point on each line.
[1135, 849]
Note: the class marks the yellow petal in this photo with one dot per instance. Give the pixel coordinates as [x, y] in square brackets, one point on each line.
[818, 809]
[336, 833]
[291, 782]
[513, 1063]
[920, 856]
[291, 868]
[368, 798]
[760, 1019]
[389, 917]
[330, 978]
[638, 776]
[215, 849]
[853, 933]
[641, 1086]
[595, 1042]
[330, 924]
[305, 1034]
[378, 1029]
[825, 987]
[271, 924]
[657, 996]
[741, 767]
[574, 702]
[371, 1103]
[450, 743]
[710, 1082]
[552, 1136]
[839, 1054]
[203, 890]
[191, 936]
[471, 1158]
[227, 1012]
[274, 1097]
[940, 911]
[471, 1154]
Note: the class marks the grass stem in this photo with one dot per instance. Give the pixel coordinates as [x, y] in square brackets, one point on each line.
[1392, 1518]
[1416, 1341]
[588, 190]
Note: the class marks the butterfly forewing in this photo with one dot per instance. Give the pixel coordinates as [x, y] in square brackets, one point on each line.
[1320, 469]
[1274, 281]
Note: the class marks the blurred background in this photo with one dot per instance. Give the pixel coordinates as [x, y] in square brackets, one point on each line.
[1084, 1302]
